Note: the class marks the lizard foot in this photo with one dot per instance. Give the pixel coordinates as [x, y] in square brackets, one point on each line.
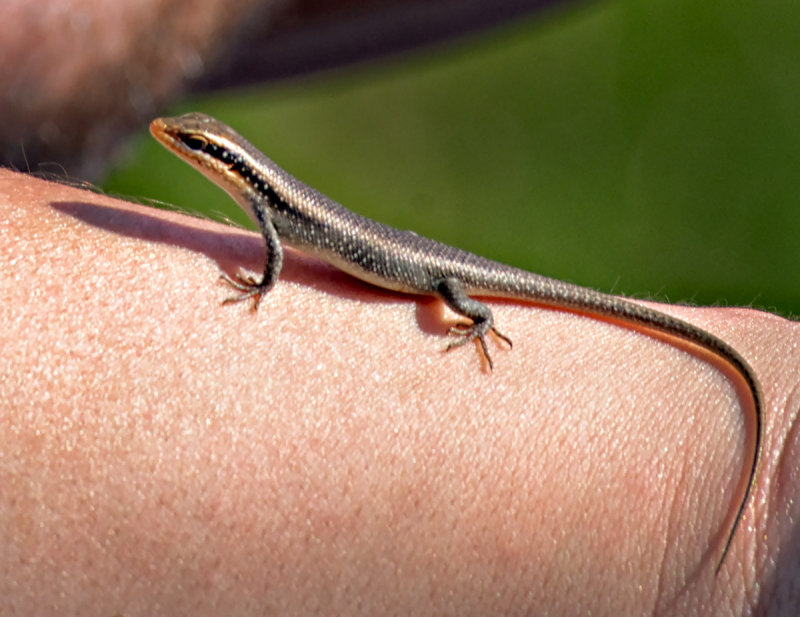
[463, 333]
[248, 285]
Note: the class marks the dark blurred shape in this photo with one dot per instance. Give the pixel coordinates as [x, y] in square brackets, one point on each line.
[314, 35]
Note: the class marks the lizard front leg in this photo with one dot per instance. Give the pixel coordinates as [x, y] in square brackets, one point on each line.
[246, 283]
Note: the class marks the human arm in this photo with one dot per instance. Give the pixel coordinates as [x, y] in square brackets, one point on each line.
[167, 455]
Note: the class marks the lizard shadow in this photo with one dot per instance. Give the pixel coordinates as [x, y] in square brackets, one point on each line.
[234, 248]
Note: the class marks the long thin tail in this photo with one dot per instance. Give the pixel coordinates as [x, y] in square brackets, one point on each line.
[656, 323]
[648, 318]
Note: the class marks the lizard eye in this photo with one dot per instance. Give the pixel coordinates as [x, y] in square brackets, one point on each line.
[193, 143]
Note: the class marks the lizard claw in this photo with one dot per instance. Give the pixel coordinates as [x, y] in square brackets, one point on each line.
[249, 287]
[462, 333]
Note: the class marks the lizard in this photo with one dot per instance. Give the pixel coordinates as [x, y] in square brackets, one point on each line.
[288, 211]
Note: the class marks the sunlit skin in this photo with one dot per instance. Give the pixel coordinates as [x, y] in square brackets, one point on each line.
[166, 455]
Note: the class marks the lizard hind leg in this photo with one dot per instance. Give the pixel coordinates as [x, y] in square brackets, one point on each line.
[451, 291]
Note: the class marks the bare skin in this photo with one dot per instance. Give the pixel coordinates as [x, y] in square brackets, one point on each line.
[164, 455]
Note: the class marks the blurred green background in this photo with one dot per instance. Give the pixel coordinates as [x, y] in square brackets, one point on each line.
[650, 148]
